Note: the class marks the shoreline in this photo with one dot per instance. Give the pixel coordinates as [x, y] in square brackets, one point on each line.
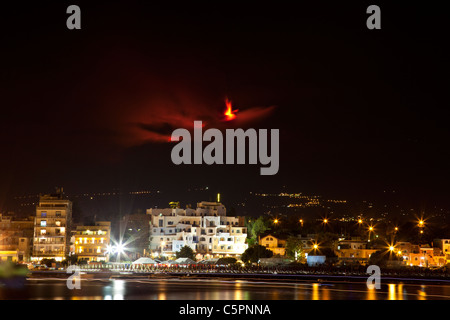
[271, 277]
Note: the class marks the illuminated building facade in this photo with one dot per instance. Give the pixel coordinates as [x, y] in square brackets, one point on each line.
[207, 230]
[52, 227]
[91, 242]
[352, 251]
[444, 245]
[15, 238]
[274, 244]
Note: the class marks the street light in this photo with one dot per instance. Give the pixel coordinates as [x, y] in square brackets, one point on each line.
[120, 248]
[360, 221]
[315, 247]
[110, 249]
[371, 229]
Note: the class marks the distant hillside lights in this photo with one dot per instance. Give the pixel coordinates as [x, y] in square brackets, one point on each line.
[214, 152]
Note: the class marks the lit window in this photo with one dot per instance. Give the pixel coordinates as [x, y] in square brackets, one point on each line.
[43, 231]
[58, 223]
[43, 223]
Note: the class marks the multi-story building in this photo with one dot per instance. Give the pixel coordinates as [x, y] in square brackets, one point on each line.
[437, 258]
[91, 242]
[444, 245]
[352, 251]
[52, 227]
[308, 241]
[274, 244]
[420, 256]
[426, 256]
[207, 230]
[135, 229]
[15, 238]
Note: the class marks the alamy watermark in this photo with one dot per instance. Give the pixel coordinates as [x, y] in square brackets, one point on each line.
[374, 281]
[213, 153]
[74, 281]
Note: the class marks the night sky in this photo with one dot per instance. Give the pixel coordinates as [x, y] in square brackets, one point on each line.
[359, 111]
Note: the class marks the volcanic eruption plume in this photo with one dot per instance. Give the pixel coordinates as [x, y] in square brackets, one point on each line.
[155, 124]
[229, 112]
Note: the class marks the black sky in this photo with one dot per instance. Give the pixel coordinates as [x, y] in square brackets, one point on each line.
[359, 111]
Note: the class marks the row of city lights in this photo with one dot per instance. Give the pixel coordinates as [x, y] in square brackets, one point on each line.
[420, 223]
[120, 248]
[391, 248]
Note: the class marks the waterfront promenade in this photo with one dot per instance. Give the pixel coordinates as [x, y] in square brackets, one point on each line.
[299, 274]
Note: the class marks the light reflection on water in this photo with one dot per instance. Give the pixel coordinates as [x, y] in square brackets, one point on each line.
[118, 289]
[315, 291]
[371, 294]
[422, 294]
[85, 298]
[204, 289]
[392, 295]
[162, 296]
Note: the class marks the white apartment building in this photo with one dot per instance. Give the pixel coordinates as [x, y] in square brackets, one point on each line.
[207, 230]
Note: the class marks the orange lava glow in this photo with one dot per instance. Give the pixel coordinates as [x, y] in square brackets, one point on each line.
[229, 112]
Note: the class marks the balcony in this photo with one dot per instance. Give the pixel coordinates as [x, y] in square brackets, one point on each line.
[8, 247]
[48, 253]
[194, 240]
[223, 234]
[58, 240]
[225, 241]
